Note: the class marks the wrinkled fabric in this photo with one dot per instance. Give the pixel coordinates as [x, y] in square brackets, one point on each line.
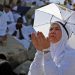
[60, 60]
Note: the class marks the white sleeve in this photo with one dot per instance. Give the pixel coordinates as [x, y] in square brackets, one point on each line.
[36, 67]
[49, 66]
[66, 67]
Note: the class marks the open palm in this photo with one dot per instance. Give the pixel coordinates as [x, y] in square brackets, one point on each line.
[39, 41]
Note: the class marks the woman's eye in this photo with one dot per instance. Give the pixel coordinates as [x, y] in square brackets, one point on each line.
[57, 29]
[51, 29]
[54, 29]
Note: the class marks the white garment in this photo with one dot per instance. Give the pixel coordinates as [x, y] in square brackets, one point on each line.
[60, 60]
[66, 67]
[9, 16]
[16, 16]
[3, 25]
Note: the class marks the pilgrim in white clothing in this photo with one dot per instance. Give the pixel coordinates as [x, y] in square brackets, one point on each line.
[3, 27]
[54, 56]
[8, 13]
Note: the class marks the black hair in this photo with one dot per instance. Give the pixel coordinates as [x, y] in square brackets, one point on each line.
[7, 6]
[34, 3]
[20, 20]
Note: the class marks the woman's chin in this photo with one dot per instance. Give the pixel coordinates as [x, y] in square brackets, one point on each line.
[53, 41]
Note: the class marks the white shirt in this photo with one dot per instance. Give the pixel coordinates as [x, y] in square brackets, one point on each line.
[16, 16]
[66, 64]
[9, 16]
[3, 25]
[59, 60]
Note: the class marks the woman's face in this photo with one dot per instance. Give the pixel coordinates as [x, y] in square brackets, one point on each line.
[55, 33]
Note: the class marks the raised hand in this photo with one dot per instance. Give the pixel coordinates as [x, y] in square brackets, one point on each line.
[39, 41]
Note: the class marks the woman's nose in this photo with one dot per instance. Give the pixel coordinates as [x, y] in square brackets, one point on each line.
[53, 31]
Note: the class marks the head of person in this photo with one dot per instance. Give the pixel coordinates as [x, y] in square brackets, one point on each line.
[19, 22]
[58, 31]
[7, 8]
[59, 35]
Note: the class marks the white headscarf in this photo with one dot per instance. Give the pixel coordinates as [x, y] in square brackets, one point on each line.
[57, 49]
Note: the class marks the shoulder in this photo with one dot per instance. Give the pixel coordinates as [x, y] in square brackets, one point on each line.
[70, 55]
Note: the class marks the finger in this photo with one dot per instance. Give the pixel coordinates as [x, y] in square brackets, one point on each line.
[42, 35]
[35, 42]
[47, 38]
[33, 38]
[40, 42]
[38, 38]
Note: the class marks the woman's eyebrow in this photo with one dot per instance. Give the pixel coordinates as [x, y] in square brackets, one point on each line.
[58, 27]
[55, 27]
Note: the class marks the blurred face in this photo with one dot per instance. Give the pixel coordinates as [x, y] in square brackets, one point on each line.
[55, 33]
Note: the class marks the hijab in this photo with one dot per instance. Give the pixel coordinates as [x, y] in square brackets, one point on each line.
[58, 49]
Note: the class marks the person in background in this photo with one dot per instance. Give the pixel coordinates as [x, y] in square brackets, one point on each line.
[18, 11]
[68, 4]
[9, 15]
[3, 27]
